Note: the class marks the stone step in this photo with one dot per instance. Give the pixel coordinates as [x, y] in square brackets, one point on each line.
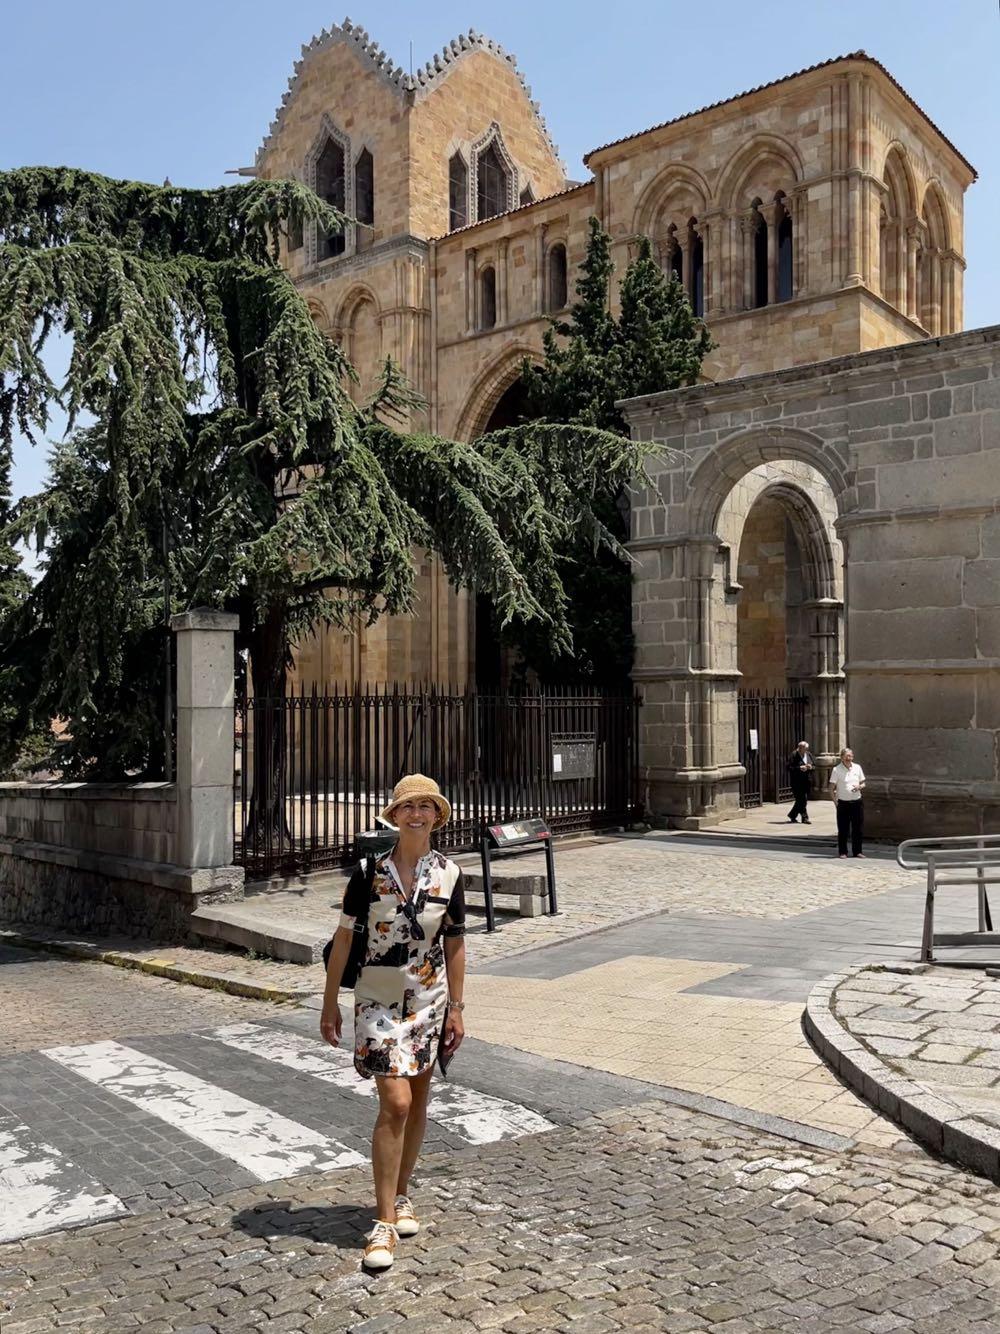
[248, 926]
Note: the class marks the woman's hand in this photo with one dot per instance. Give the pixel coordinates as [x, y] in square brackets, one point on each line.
[454, 1032]
[331, 1023]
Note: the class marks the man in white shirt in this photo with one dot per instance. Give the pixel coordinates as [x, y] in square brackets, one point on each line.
[847, 781]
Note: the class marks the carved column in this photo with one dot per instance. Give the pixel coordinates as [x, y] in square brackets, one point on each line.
[503, 248]
[748, 228]
[769, 212]
[912, 246]
[800, 242]
[470, 291]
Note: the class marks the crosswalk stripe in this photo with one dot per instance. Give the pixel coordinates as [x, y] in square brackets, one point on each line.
[266, 1144]
[478, 1118]
[41, 1191]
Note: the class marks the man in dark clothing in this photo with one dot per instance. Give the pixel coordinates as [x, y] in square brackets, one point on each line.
[800, 770]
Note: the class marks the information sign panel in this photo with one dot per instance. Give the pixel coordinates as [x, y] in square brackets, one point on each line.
[574, 755]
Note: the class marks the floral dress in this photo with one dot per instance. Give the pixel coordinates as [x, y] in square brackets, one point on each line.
[401, 994]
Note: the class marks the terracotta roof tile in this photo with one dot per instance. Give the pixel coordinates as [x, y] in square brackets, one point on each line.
[823, 64]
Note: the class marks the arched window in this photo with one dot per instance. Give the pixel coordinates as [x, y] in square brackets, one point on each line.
[696, 250]
[331, 186]
[458, 192]
[557, 277]
[491, 176]
[783, 286]
[759, 257]
[487, 298]
[527, 195]
[364, 188]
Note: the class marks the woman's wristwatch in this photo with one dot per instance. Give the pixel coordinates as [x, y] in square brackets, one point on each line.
[456, 1005]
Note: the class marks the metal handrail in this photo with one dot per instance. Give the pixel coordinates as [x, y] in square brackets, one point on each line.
[979, 855]
[965, 847]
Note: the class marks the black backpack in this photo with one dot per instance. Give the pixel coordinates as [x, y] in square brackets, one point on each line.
[359, 943]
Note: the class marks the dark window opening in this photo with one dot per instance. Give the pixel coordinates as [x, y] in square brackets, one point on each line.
[491, 193]
[364, 188]
[295, 235]
[527, 195]
[697, 252]
[487, 298]
[677, 262]
[784, 292]
[557, 278]
[458, 193]
[330, 185]
[759, 260]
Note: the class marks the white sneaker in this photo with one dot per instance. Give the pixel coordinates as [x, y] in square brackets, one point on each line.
[407, 1223]
[381, 1249]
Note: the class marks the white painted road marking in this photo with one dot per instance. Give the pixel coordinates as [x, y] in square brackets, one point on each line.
[478, 1118]
[41, 1191]
[266, 1144]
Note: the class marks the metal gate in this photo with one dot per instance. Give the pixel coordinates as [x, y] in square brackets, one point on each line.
[313, 770]
[770, 727]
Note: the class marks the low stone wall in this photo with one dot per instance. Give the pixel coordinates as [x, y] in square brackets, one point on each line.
[91, 891]
[137, 820]
[136, 858]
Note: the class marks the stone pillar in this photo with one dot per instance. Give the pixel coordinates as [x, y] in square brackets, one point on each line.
[503, 248]
[470, 291]
[769, 212]
[205, 705]
[747, 230]
[541, 293]
[800, 243]
[912, 246]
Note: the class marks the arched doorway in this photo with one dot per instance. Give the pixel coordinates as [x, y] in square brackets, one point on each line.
[777, 624]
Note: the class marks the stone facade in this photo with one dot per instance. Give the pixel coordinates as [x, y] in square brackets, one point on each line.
[886, 467]
[819, 216]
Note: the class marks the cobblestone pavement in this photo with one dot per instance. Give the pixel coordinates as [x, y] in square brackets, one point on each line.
[601, 884]
[650, 1218]
[939, 1028]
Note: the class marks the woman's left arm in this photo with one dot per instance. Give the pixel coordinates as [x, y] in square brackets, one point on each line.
[454, 957]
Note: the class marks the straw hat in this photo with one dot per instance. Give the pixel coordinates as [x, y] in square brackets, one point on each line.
[412, 788]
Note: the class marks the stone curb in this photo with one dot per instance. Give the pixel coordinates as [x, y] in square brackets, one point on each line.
[939, 1124]
[196, 977]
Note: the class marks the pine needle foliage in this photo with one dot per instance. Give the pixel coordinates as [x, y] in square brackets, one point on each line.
[215, 446]
[593, 360]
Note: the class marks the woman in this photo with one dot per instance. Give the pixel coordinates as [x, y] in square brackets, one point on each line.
[410, 985]
[847, 783]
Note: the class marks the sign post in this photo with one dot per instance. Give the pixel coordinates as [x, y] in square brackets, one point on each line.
[510, 839]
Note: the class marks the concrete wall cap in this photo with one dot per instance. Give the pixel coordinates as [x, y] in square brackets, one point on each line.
[205, 618]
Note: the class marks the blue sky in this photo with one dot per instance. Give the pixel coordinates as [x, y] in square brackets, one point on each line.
[187, 89]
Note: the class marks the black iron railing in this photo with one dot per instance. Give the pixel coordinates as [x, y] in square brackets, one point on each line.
[770, 727]
[314, 770]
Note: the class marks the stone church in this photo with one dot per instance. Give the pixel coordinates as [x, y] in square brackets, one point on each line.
[815, 219]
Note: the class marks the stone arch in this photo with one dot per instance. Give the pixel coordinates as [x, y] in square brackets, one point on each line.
[361, 339]
[934, 213]
[763, 166]
[897, 174]
[355, 294]
[674, 180]
[490, 387]
[319, 314]
[716, 474]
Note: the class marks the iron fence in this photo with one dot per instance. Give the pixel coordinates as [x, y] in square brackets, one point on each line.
[313, 770]
[770, 727]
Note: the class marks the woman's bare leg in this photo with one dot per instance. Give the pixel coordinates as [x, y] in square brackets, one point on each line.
[387, 1141]
[416, 1124]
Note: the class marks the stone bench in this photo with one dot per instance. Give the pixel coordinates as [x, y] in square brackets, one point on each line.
[531, 891]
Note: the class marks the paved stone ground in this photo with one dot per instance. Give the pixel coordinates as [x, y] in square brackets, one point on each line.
[649, 1218]
[940, 1029]
[601, 884]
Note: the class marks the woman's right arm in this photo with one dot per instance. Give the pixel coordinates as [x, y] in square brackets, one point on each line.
[356, 902]
[330, 1020]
